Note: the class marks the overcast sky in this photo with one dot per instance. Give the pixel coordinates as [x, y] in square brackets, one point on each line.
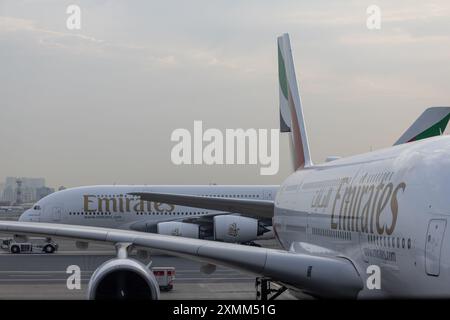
[98, 105]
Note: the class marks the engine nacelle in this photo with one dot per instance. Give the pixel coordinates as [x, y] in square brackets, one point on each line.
[188, 230]
[269, 234]
[123, 279]
[236, 229]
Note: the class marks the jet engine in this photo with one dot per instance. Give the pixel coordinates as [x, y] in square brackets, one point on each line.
[237, 229]
[123, 278]
[182, 229]
[227, 228]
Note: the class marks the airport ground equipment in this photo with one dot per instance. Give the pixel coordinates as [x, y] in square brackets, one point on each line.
[29, 245]
[165, 277]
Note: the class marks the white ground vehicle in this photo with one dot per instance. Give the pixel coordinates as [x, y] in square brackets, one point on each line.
[30, 245]
[165, 277]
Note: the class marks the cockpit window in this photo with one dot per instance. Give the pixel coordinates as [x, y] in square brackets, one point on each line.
[37, 207]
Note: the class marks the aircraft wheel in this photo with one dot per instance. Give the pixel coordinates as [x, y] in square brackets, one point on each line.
[15, 249]
[49, 248]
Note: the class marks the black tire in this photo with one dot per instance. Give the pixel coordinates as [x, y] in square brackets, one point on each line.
[166, 288]
[15, 249]
[49, 249]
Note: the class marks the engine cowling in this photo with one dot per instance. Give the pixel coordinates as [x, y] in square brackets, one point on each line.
[123, 279]
[182, 229]
[237, 229]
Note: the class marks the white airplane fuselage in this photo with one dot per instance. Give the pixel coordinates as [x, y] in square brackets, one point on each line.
[111, 206]
[388, 208]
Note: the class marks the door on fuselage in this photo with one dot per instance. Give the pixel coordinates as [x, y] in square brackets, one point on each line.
[433, 245]
[56, 214]
[267, 194]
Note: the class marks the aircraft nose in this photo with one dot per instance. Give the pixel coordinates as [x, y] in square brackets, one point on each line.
[25, 216]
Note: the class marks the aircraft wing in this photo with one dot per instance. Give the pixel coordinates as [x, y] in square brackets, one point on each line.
[249, 207]
[323, 276]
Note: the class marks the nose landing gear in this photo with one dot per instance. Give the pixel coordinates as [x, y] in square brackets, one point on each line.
[264, 290]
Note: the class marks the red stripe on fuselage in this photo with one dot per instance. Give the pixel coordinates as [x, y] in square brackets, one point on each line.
[298, 145]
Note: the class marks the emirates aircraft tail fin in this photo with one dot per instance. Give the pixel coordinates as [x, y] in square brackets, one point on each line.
[432, 122]
[291, 113]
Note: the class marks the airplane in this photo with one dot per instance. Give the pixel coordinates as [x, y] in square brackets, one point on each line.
[384, 210]
[111, 206]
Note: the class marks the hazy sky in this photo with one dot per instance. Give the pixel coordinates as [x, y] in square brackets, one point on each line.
[98, 105]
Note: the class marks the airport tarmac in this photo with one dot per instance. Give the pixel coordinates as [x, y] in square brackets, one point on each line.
[43, 276]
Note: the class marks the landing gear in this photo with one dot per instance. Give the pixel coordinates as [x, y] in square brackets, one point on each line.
[49, 249]
[264, 290]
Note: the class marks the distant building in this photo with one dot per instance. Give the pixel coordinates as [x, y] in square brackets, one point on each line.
[26, 182]
[9, 194]
[24, 190]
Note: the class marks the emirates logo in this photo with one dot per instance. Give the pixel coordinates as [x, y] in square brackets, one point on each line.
[233, 230]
